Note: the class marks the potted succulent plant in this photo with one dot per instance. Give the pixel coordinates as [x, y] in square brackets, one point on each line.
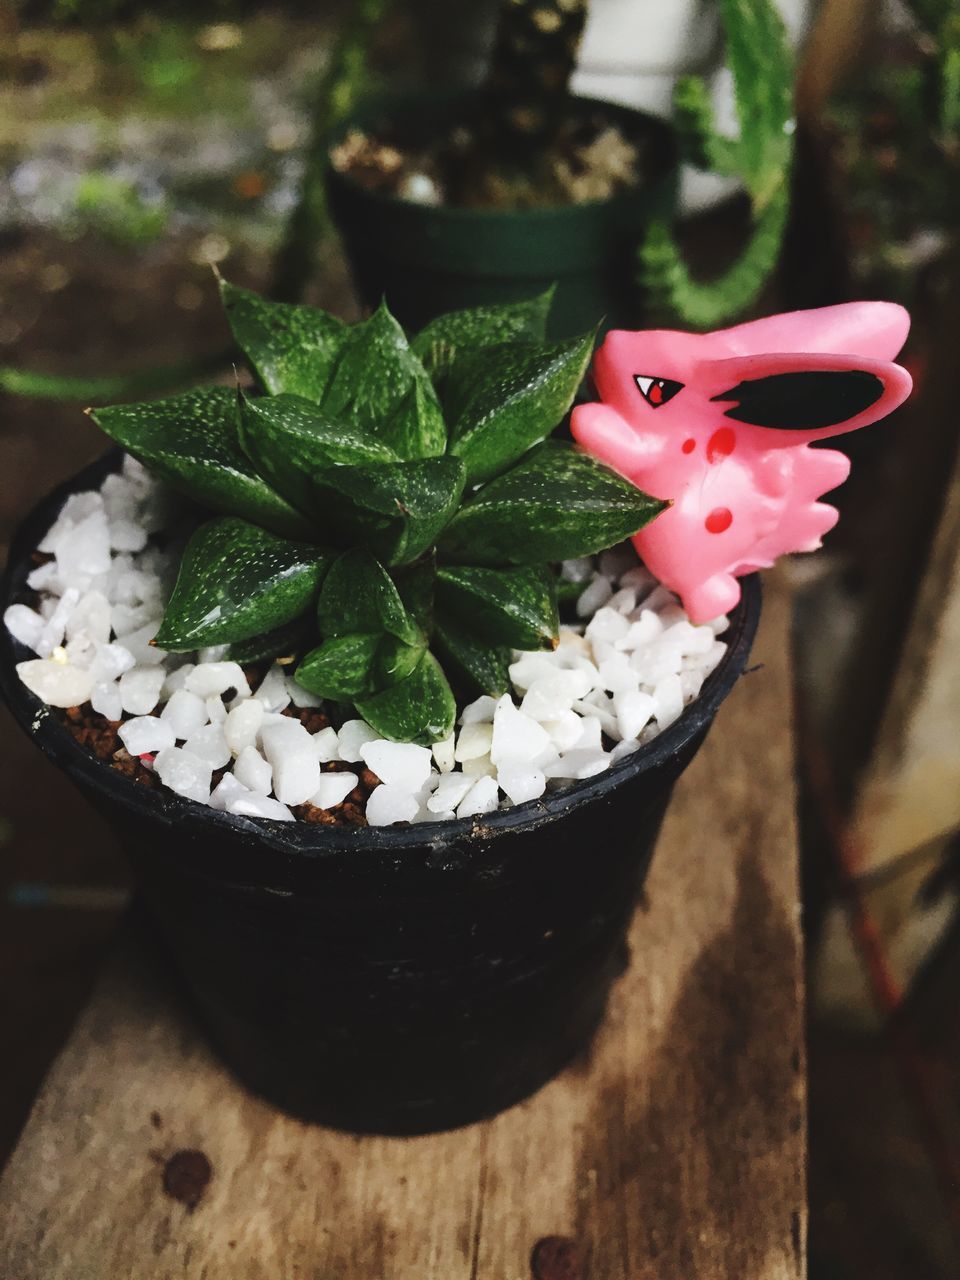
[384, 923]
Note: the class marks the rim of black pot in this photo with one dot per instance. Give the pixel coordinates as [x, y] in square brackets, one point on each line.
[413, 100]
[44, 726]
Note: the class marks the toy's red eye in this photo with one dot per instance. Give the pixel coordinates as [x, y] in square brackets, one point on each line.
[657, 391]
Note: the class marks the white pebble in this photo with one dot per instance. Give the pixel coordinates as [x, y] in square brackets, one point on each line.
[227, 789]
[550, 695]
[597, 594]
[668, 700]
[645, 627]
[473, 741]
[624, 600]
[451, 789]
[578, 765]
[479, 767]
[85, 550]
[387, 805]
[140, 690]
[273, 691]
[479, 711]
[210, 744]
[301, 697]
[623, 749]
[325, 744]
[528, 668]
[243, 724]
[483, 797]
[515, 735]
[565, 731]
[521, 781]
[353, 736]
[184, 773]
[126, 535]
[186, 713]
[608, 625]
[145, 734]
[209, 678]
[213, 653]
[398, 764]
[90, 619]
[580, 570]
[106, 701]
[443, 754]
[296, 770]
[617, 675]
[24, 624]
[111, 661]
[57, 683]
[256, 806]
[139, 644]
[634, 711]
[253, 771]
[691, 682]
[177, 679]
[55, 627]
[334, 788]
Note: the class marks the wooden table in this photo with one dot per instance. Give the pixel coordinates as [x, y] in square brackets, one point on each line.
[676, 1152]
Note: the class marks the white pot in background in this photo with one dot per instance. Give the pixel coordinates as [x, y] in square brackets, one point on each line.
[634, 50]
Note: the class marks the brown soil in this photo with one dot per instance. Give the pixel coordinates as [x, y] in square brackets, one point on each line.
[591, 158]
[100, 737]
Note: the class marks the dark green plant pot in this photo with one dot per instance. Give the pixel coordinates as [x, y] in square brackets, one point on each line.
[427, 260]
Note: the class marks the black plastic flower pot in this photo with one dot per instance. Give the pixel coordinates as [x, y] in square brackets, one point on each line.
[427, 260]
[393, 980]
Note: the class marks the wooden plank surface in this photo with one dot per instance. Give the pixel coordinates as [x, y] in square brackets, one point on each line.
[674, 1152]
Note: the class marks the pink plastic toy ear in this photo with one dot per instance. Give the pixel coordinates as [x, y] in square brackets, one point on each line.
[721, 424]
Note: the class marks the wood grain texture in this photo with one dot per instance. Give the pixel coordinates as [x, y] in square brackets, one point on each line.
[675, 1150]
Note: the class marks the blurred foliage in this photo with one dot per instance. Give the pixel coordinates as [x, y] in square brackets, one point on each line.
[896, 146]
[761, 61]
[116, 209]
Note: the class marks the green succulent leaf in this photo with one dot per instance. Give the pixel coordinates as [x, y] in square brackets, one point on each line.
[396, 660]
[292, 349]
[516, 607]
[379, 384]
[288, 439]
[281, 642]
[440, 342]
[396, 510]
[359, 595]
[192, 442]
[555, 504]
[416, 583]
[342, 667]
[478, 667]
[504, 399]
[237, 581]
[420, 708]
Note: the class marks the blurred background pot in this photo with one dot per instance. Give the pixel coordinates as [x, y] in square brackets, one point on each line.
[399, 979]
[428, 259]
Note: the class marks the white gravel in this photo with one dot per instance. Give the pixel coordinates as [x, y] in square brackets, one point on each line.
[619, 676]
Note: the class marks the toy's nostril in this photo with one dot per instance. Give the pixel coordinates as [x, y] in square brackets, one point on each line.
[719, 519]
[689, 446]
[722, 444]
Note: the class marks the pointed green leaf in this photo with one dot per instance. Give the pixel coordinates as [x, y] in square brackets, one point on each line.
[478, 667]
[237, 581]
[395, 660]
[443, 339]
[380, 385]
[421, 708]
[396, 510]
[516, 607]
[341, 668]
[557, 503]
[289, 440]
[291, 348]
[359, 595]
[501, 400]
[279, 643]
[416, 583]
[191, 441]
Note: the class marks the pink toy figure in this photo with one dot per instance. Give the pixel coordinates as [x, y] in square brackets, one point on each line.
[722, 423]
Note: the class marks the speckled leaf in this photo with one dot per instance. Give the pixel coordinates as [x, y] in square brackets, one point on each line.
[279, 643]
[557, 503]
[468, 661]
[192, 442]
[379, 384]
[516, 607]
[395, 510]
[288, 440]
[415, 583]
[342, 667]
[291, 348]
[237, 581]
[359, 595]
[420, 708]
[446, 337]
[504, 399]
